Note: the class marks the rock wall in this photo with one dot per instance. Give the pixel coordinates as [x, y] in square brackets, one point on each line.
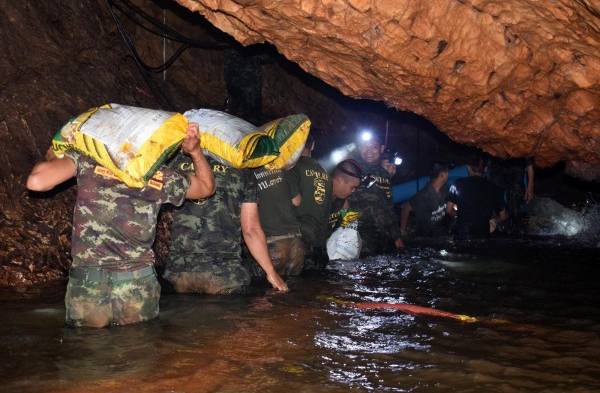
[515, 78]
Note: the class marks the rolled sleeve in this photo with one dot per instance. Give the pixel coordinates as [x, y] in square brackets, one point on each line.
[175, 186]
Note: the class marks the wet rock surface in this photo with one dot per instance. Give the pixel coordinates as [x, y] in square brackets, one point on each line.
[515, 78]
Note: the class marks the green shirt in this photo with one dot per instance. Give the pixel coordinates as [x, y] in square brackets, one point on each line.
[209, 229]
[275, 194]
[315, 188]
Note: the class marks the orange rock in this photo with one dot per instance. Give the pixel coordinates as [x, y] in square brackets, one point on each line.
[515, 77]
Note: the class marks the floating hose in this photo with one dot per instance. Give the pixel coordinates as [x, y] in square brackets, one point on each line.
[410, 309]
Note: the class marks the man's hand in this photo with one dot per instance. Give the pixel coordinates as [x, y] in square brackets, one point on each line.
[277, 282]
[191, 143]
[528, 194]
[389, 167]
[50, 155]
[399, 244]
[493, 225]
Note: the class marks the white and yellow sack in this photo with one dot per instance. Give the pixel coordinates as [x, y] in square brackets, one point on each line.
[131, 142]
[289, 134]
[231, 140]
[134, 142]
[235, 142]
[345, 242]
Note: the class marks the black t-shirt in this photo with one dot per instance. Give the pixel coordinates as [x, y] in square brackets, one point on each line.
[275, 206]
[429, 210]
[508, 174]
[315, 187]
[477, 200]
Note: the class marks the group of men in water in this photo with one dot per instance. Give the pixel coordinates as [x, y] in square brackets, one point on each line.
[283, 216]
[490, 197]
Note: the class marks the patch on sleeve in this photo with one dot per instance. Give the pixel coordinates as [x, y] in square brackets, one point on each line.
[156, 184]
[104, 172]
[158, 176]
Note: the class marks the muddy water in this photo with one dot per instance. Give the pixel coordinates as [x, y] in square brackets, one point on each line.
[538, 329]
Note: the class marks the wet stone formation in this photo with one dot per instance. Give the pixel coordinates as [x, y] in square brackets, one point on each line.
[515, 78]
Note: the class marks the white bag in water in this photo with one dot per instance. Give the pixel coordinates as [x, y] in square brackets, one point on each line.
[344, 243]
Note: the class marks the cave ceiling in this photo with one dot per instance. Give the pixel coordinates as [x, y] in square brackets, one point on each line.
[513, 77]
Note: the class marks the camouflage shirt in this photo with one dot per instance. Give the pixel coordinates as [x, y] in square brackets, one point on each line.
[210, 228]
[378, 220]
[114, 225]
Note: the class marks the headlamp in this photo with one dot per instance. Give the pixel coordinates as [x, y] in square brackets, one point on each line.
[366, 136]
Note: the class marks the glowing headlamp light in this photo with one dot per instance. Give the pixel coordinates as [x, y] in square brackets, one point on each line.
[366, 136]
[397, 159]
[337, 156]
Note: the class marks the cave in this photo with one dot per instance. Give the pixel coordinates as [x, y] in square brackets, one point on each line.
[445, 81]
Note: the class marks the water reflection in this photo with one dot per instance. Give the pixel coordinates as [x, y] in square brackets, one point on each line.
[306, 342]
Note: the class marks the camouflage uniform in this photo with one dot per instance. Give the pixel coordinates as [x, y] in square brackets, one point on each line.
[112, 279]
[378, 223]
[205, 250]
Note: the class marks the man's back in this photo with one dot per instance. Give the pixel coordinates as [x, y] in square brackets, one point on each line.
[315, 188]
[429, 209]
[114, 225]
[211, 226]
[275, 192]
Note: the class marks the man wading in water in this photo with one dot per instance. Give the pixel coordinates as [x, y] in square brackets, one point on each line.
[112, 278]
[379, 227]
[205, 253]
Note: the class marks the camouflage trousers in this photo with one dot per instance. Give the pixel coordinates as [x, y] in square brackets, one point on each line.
[211, 276]
[98, 298]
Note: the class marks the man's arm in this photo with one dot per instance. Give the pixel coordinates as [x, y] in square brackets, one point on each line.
[46, 175]
[452, 201]
[256, 241]
[451, 208]
[292, 177]
[297, 200]
[389, 167]
[404, 214]
[202, 182]
[529, 193]
[393, 224]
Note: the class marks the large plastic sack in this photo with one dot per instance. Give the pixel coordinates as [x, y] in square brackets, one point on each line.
[131, 142]
[232, 141]
[345, 242]
[289, 134]
[134, 142]
[277, 145]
